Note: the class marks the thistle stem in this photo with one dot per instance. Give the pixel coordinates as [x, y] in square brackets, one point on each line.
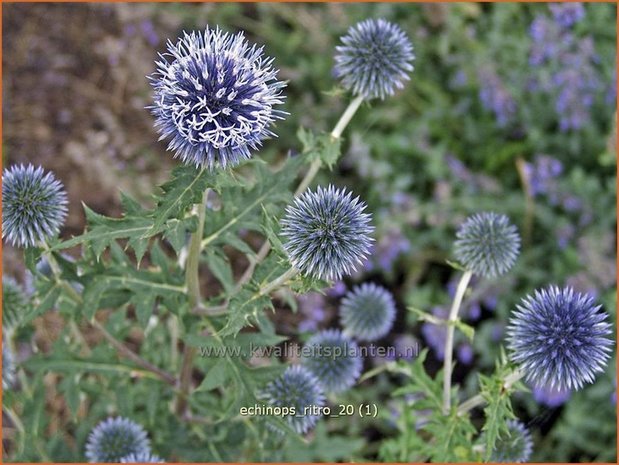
[314, 168]
[449, 340]
[479, 400]
[192, 279]
[278, 282]
[346, 117]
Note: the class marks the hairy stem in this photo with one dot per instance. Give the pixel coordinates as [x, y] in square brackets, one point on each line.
[478, 400]
[449, 340]
[192, 279]
[303, 185]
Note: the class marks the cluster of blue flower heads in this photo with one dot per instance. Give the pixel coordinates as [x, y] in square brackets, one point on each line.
[34, 205]
[367, 312]
[115, 439]
[328, 233]
[487, 244]
[142, 458]
[559, 338]
[214, 99]
[375, 59]
[297, 387]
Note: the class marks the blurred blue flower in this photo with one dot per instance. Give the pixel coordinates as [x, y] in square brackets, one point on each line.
[487, 244]
[34, 205]
[495, 97]
[551, 397]
[297, 388]
[435, 335]
[214, 100]
[541, 174]
[560, 338]
[367, 312]
[334, 359]
[312, 307]
[115, 438]
[514, 447]
[464, 353]
[567, 14]
[328, 233]
[375, 59]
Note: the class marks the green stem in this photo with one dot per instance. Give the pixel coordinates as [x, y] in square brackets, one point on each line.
[346, 117]
[192, 279]
[278, 282]
[451, 327]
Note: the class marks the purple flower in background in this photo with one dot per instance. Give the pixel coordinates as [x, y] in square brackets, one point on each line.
[435, 335]
[545, 35]
[567, 14]
[496, 98]
[337, 290]
[564, 66]
[465, 353]
[551, 397]
[312, 307]
[541, 174]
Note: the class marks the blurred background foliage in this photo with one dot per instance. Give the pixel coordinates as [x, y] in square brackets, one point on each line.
[508, 109]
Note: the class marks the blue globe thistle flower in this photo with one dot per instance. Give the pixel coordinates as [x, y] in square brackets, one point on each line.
[487, 244]
[14, 304]
[514, 447]
[375, 59]
[334, 359]
[34, 205]
[297, 388]
[115, 438]
[214, 99]
[367, 312]
[143, 457]
[559, 338]
[328, 233]
[8, 367]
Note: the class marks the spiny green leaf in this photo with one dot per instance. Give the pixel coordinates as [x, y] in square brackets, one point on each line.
[185, 189]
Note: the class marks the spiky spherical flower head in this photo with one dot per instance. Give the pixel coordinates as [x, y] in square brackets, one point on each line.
[334, 359]
[328, 233]
[214, 98]
[297, 388]
[141, 458]
[14, 304]
[515, 446]
[8, 367]
[367, 312]
[560, 338]
[375, 59]
[34, 205]
[115, 438]
[487, 244]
